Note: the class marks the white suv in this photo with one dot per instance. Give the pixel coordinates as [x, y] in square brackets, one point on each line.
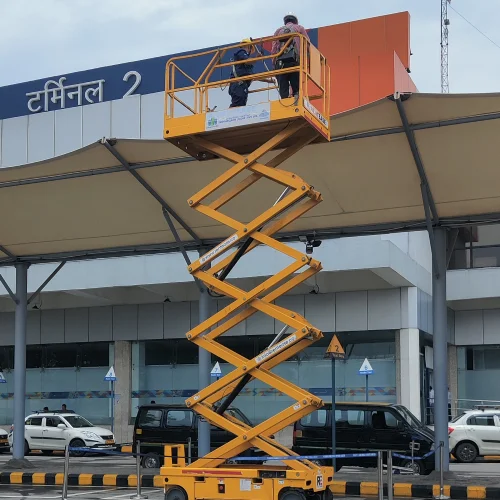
[53, 431]
[474, 434]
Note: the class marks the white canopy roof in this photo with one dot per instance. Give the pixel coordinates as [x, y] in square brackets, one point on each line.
[87, 204]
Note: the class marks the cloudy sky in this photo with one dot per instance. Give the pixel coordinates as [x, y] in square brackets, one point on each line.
[42, 38]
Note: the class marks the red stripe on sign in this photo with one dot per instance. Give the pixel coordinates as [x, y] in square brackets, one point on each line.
[213, 472]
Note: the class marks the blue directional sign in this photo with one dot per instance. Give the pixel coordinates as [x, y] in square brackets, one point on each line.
[110, 376]
[216, 371]
[366, 368]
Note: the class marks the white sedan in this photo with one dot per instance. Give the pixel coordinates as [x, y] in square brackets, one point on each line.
[474, 434]
[54, 431]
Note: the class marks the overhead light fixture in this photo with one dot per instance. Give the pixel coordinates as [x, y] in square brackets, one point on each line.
[311, 242]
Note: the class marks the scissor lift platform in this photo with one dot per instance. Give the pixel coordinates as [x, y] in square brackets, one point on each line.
[243, 136]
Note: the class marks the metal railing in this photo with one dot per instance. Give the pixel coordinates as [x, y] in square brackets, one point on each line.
[460, 406]
[475, 257]
[378, 454]
[312, 67]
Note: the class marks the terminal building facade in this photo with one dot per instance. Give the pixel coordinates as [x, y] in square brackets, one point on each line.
[133, 312]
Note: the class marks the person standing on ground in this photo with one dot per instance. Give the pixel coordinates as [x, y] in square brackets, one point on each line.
[449, 405]
[291, 56]
[431, 405]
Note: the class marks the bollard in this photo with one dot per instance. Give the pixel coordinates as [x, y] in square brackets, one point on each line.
[65, 474]
[441, 496]
[390, 484]
[189, 451]
[380, 473]
[138, 495]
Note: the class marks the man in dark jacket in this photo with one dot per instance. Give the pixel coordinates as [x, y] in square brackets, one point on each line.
[239, 90]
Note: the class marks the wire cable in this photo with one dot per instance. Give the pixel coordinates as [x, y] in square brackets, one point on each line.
[474, 26]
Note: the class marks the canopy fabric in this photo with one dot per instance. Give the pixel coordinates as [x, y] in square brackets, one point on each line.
[86, 204]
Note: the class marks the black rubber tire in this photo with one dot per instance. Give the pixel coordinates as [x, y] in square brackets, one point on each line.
[417, 466]
[292, 494]
[26, 448]
[151, 461]
[176, 493]
[77, 443]
[47, 452]
[466, 452]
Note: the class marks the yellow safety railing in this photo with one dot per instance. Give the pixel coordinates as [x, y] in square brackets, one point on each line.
[313, 69]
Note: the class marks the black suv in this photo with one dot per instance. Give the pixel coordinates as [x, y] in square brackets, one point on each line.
[158, 424]
[365, 427]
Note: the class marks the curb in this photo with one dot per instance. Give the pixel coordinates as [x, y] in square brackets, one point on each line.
[347, 488]
[56, 479]
[362, 488]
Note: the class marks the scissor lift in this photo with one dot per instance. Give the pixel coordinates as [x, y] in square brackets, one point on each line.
[243, 136]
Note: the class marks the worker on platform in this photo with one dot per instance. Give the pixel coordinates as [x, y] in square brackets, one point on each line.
[290, 57]
[239, 90]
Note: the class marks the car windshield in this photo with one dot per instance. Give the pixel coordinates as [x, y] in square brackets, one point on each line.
[77, 421]
[411, 419]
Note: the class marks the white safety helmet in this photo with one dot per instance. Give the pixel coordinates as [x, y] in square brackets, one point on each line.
[291, 18]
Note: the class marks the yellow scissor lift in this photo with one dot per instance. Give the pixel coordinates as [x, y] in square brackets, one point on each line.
[243, 136]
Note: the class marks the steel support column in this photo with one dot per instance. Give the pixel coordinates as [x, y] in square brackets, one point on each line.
[204, 367]
[20, 359]
[440, 324]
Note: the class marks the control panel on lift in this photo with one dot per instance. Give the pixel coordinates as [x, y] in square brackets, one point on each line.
[199, 121]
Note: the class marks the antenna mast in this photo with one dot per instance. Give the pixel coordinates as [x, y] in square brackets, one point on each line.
[445, 22]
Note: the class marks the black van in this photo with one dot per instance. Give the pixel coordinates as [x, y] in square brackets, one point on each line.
[362, 427]
[158, 424]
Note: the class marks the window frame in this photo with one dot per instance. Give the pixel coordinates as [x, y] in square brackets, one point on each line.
[34, 425]
[143, 425]
[171, 410]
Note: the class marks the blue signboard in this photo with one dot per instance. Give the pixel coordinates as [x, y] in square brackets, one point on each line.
[366, 368]
[102, 84]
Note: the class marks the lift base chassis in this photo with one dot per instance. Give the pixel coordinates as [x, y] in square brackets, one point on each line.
[239, 483]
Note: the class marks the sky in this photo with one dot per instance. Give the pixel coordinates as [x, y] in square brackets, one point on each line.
[43, 38]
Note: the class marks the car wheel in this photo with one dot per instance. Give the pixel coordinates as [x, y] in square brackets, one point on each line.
[416, 466]
[466, 452]
[151, 461]
[26, 448]
[47, 452]
[175, 493]
[77, 443]
[292, 495]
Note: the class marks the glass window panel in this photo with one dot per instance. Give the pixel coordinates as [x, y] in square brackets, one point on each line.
[350, 418]
[180, 418]
[161, 352]
[150, 418]
[314, 419]
[61, 356]
[53, 421]
[94, 354]
[34, 421]
[34, 356]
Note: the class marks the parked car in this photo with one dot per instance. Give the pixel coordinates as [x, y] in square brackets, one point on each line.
[362, 427]
[53, 431]
[157, 425]
[4, 441]
[475, 433]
